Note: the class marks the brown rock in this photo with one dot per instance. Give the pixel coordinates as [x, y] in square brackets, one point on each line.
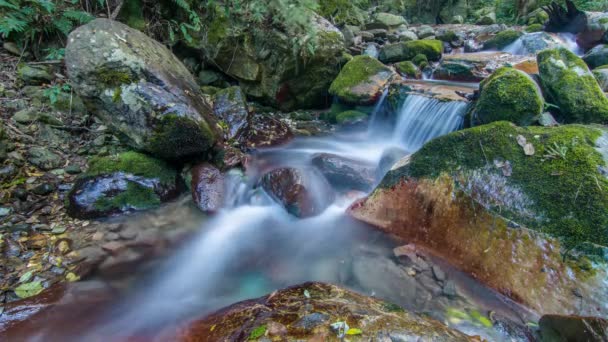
[207, 187]
[287, 186]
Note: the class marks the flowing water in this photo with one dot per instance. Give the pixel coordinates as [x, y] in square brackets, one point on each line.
[253, 246]
[531, 43]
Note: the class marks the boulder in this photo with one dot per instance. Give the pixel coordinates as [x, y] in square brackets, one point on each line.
[408, 69]
[570, 85]
[230, 108]
[290, 315]
[261, 58]
[502, 40]
[601, 75]
[386, 21]
[532, 43]
[509, 95]
[425, 31]
[404, 51]
[597, 56]
[475, 67]
[344, 173]
[122, 183]
[207, 187]
[406, 35]
[140, 89]
[477, 198]
[573, 328]
[265, 131]
[287, 186]
[361, 81]
[487, 16]
[35, 74]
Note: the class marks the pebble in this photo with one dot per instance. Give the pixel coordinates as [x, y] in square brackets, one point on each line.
[43, 189]
[58, 230]
[20, 194]
[97, 236]
[73, 169]
[5, 211]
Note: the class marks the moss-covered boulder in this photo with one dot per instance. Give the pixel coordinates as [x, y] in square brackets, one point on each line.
[307, 312]
[140, 89]
[408, 69]
[505, 203]
[534, 28]
[569, 84]
[509, 95]
[361, 81]
[404, 51]
[597, 56]
[35, 74]
[502, 39]
[601, 75]
[122, 183]
[475, 67]
[261, 58]
[386, 21]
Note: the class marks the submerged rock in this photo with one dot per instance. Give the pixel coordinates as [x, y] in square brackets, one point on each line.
[207, 187]
[122, 183]
[140, 89]
[308, 311]
[570, 85]
[509, 95]
[344, 173]
[404, 51]
[462, 195]
[361, 81]
[230, 108]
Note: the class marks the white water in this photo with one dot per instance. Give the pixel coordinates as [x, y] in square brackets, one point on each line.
[254, 246]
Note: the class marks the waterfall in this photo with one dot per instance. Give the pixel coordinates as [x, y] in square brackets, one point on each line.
[422, 118]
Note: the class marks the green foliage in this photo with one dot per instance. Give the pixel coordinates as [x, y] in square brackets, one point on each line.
[341, 12]
[134, 163]
[53, 93]
[29, 22]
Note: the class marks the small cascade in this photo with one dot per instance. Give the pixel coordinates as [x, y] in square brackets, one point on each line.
[569, 41]
[422, 118]
[371, 50]
[532, 43]
[376, 117]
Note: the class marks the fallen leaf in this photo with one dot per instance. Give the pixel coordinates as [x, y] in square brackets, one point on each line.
[29, 289]
[354, 331]
[26, 276]
[71, 277]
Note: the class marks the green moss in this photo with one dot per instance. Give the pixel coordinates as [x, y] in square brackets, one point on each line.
[420, 59]
[431, 48]
[113, 78]
[568, 196]
[117, 94]
[408, 69]
[134, 163]
[359, 70]
[390, 307]
[135, 196]
[572, 87]
[180, 137]
[511, 95]
[257, 332]
[447, 36]
[350, 116]
[534, 28]
[209, 90]
[502, 39]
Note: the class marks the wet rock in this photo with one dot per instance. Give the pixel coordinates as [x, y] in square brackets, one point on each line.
[406, 35]
[344, 173]
[570, 85]
[137, 87]
[43, 158]
[487, 16]
[287, 186]
[43, 189]
[532, 43]
[388, 159]
[420, 202]
[425, 31]
[404, 51]
[361, 81]
[386, 21]
[373, 317]
[35, 74]
[509, 95]
[265, 131]
[502, 39]
[597, 56]
[122, 183]
[7, 172]
[207, 187]
[573, 328]
[474, 67]
[230, 108]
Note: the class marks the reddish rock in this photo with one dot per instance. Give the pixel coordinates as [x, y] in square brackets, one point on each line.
[286, 186]
[345, 173]
[207, 187]
[265, 131]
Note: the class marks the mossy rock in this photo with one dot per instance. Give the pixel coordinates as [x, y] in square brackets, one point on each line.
[570, 85]
[404, 51]
[509, 95]
[350, 117]
[361, 81]
[601, 75]
[597, 56]
[447, 36]
[408, 69]
[535, 28]
[122, 183]
[502, 39]
[560, 189]
[420, 59]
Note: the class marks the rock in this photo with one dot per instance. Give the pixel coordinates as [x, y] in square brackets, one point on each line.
[547, 120]
[366, 36]
[447, 35]
[534, 28]
[502, 40]
[122, 183]
[570, 85]
[351, 118]
[438, 273]
[207, 187]
[361, 81]
[43, 189]
[261, 59]
[408, 69]
[230, 108]
[12, 48]
[343, 173]
[388, 159]
[377, 320]
[601, 75]
[475, 67]
[287, 186]
[35, 74]
[532, 43]
[457, 19]
[73, 169]
[597, 56]
[26, 116]
[386, 21]
[487, 18]
[209, 77]
[404, 51]
[509, 95]
[406, 36]
[425, 31]
[265, 131]
[379, 33]
[43, 158]
[420, 202]
[573, 328]
[140, 89]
